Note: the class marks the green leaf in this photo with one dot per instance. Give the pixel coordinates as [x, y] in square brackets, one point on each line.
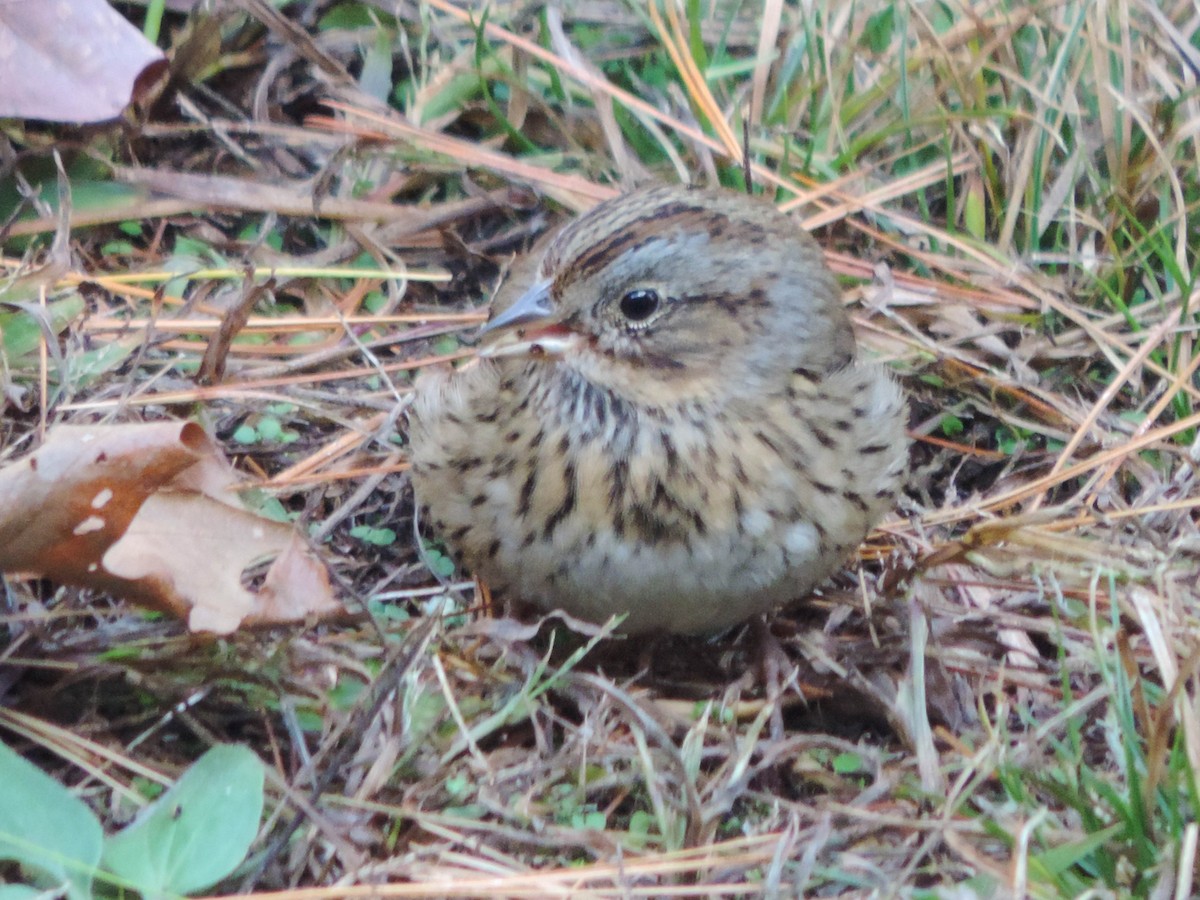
[45, 827]
[375, 301]
[848, 764]
[369, 534]
[88, 366]
[266, 505]
[19, 892]
[441, 565]
[375, 76]
[641, 823]
[246, 434]
[877, 34]
[117, 248]
[1058, 859]
[354, 15]
[594, 821]
[345, 694]
[474, 811]
[952, 425]
[198, 831]
[21, 332]
[975, 213]
[270, 428]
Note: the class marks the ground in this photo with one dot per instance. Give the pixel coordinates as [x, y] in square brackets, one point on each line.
[998, 697]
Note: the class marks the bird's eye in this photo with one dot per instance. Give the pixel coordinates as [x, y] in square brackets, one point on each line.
[639, 305]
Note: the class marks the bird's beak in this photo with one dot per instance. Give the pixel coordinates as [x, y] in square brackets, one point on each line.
[527, 328]
[531, 306]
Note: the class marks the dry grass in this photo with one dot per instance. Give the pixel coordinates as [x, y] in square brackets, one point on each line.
[1000, 697]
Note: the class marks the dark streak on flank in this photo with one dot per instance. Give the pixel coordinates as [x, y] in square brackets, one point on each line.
[593, 404]
[739, 473]
[504, 466]
[568, 504]
[663, 498]
[670, 454]
[857, 500]
[651, 529]
[821, 486]
[527, 492]
[762, 438]
[756, 297]
[823, 438]
[618, 473]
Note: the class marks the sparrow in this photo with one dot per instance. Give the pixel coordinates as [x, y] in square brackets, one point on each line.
[668, 420]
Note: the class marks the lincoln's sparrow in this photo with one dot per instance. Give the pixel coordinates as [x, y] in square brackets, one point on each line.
[669, 420]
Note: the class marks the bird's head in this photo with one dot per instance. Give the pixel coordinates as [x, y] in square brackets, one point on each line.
[671, 293]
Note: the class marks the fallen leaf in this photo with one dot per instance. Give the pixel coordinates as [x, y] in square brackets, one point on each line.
[151, 513]
[71, 61]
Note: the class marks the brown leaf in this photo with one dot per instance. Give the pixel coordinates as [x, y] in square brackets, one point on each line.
[149, 513]
[71, 61]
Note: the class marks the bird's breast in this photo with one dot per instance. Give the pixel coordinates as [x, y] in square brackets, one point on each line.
[689, 516]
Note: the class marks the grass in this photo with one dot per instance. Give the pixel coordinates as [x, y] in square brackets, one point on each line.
[999, 698]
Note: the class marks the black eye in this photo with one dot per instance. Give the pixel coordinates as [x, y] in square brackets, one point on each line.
[639, 305]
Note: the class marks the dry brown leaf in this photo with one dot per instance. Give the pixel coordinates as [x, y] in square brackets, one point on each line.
[149, 513]
[73, 61]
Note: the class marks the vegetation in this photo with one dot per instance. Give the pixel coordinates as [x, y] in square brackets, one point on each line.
[999, 698]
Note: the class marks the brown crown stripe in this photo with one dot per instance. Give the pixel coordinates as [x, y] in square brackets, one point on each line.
[645, 227]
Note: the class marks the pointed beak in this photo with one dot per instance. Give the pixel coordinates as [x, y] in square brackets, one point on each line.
[531, 306]
[527, 328]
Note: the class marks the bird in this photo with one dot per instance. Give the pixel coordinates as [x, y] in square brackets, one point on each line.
[667, 420]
